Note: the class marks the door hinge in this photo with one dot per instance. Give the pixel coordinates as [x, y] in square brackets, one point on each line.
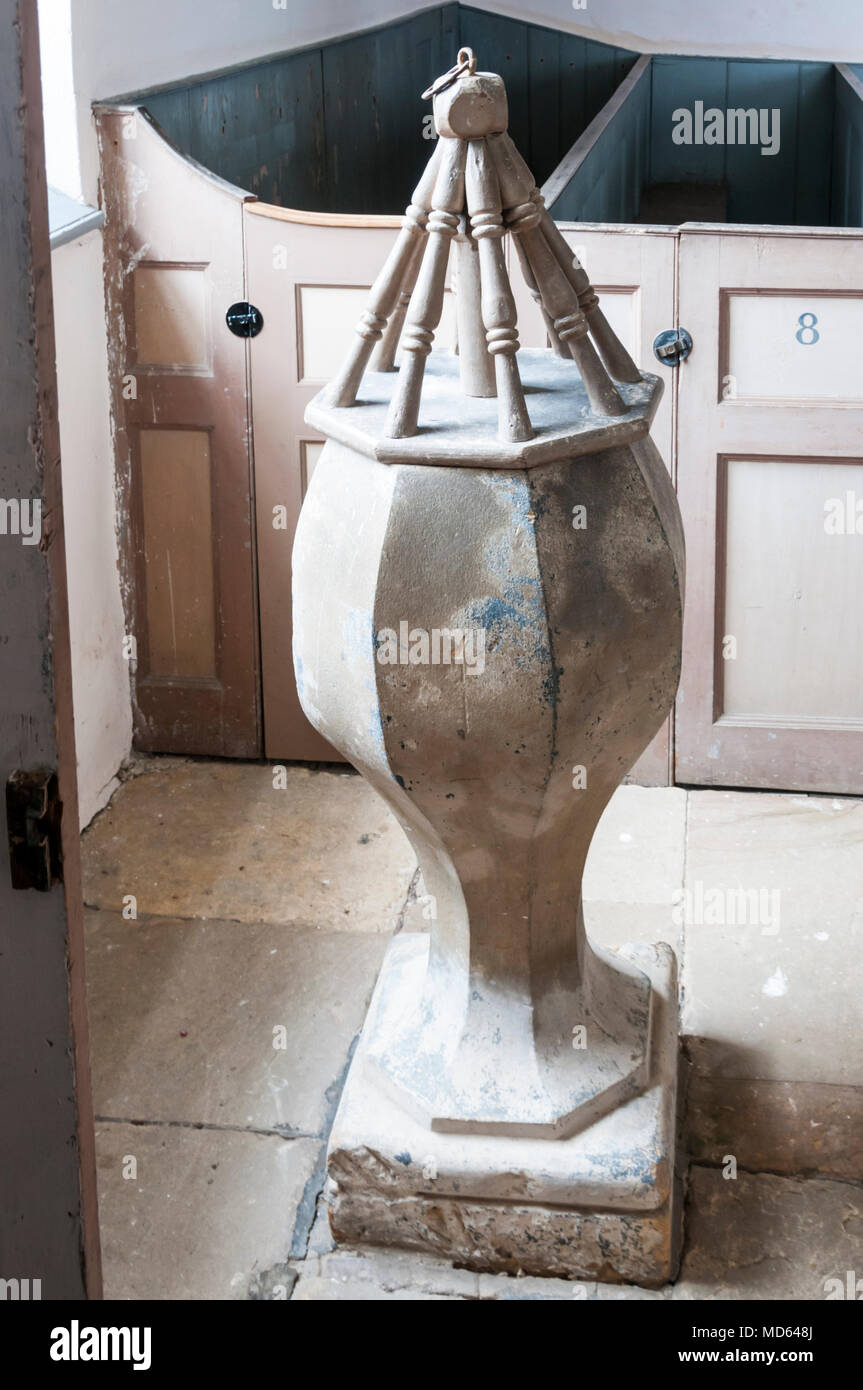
[33, 815]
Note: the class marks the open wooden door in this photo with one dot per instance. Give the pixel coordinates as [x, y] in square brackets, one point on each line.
[174, 265]
[770, 480]
[49, 1241]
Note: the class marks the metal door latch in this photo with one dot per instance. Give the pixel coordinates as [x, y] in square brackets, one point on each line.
[672, 346]
[33, 816]
[244, 319]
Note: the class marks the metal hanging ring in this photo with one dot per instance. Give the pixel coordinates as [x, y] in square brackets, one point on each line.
[465, 62]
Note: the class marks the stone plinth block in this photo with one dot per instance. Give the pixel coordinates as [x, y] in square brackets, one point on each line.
[603, 1204]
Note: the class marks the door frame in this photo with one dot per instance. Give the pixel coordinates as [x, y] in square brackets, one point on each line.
[50, 1228]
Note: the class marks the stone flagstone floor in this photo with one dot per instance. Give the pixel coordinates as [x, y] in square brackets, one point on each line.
[235, 928]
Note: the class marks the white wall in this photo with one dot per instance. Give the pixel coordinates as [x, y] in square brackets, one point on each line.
[819, 29]
[100, 675]
[120, 46]
[62, 156]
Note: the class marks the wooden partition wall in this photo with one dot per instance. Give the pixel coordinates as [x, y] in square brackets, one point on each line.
[848, 147]
[342, 128]
[182, 439]
[214, 457]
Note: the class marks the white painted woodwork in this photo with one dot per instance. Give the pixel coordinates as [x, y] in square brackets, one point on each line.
[172, 317]
[766, 332]
[289, 254]
[326, 323]
[792, 587]
[174, 264]
[177, 511]
[311, 452]
[758, 465]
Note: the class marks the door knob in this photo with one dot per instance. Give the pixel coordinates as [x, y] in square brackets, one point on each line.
[672, 346]
[244, 319]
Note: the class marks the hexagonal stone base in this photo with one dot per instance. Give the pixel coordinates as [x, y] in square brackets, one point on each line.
[604, 1204]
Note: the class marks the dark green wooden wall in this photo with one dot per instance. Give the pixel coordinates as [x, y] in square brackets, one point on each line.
[847, 206]
[340, 128]
[815, 179]
[607, 186]
[790, 187]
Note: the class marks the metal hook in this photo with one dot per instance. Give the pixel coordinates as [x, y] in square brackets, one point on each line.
[465, 62]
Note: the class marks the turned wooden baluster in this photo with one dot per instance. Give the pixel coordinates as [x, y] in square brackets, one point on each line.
[384, 356]
[611, 350]
[385, 291]
[558, 294]
[533, 289]
[498, 306]
[475, 364]
[426, 304]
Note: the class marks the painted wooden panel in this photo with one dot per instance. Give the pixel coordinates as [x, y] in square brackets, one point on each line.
[171, 317]
[814, 167]
[792, 576]
[501, 45]
[177, 525]
[260, 127]
[791, 186]
[601, 176]
[792, 347]
[771, 684]
[311, 450]
[631, 144]
[182, 443]
[373, 112]
[847, 205]
[677, 84]
[761, 187]
[327, 316]
[314, 251]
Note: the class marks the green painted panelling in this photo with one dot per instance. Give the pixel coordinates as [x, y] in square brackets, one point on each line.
[607, 186]
[501, 45]
[815, 108]
[847, 155]
[679, 83]
[340, 128]
[761, 187]
[373, 112]
[556, 83]
[791, 186]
